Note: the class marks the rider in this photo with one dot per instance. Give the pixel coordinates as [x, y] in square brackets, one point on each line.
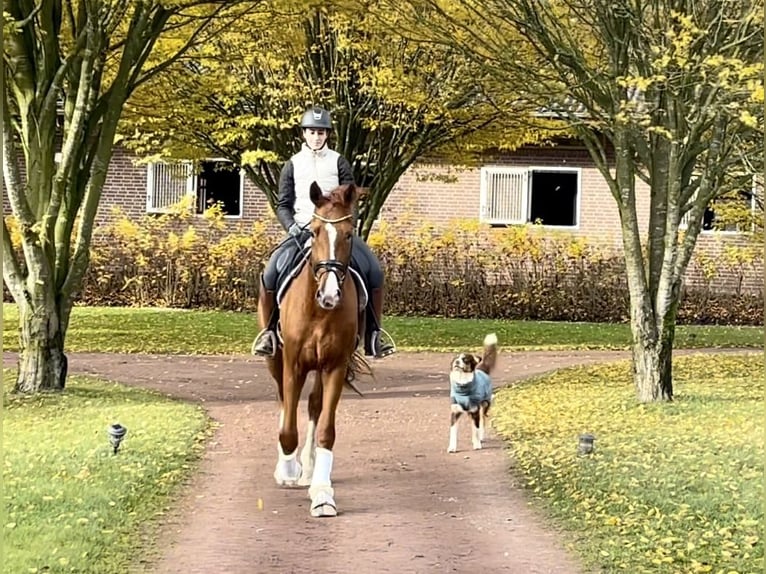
[316, 162]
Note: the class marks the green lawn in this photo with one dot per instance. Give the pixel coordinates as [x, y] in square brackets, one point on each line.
[670, 488]
[151, 330]
[71, 505]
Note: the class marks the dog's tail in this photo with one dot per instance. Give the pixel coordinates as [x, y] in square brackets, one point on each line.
[487, 362]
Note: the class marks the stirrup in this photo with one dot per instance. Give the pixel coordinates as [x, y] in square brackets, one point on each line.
[380, 349]
[262, 348]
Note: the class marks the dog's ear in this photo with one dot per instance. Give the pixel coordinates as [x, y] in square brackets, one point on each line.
[478, 358]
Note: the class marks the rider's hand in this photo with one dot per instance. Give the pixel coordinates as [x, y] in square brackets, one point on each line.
[301, 234]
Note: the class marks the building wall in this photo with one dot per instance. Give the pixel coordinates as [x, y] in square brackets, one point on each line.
[438, 193]
[126, 188]
[424, 193]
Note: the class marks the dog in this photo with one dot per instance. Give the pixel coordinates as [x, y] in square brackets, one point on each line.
[471, 391]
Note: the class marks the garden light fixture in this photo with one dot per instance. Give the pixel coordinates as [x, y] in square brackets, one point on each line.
[585, 443]
[116, 434]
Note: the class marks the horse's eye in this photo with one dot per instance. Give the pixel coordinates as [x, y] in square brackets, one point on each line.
[349, 236]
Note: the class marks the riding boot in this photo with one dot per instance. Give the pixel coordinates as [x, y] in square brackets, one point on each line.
[265, 343]
[374, 343]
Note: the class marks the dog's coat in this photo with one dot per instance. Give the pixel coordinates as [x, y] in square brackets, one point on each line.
[469, 396]
[471, 390]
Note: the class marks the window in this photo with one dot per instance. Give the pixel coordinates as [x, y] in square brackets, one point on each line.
[167, 184]
[732, 213]
[729, 213]
[549, 196]
[216, 181]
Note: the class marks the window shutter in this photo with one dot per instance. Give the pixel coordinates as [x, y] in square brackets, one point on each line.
[504, 195]
[167, 184]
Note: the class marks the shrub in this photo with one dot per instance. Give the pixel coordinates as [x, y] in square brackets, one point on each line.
[464, 270]
[176, 260]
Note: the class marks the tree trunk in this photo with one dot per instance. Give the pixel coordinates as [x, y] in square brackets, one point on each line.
[42, 363]
[653, 370]
[653, 346]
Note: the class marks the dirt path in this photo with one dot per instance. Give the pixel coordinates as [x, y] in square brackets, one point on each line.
[406, 505]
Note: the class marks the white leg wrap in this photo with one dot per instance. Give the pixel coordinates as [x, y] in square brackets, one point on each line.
[322, 468]
[288, 469]
[452, 439]
[308, 454]
[481, 427]
[321, 491]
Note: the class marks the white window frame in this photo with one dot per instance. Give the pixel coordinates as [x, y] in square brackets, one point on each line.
[524, 199]
[190, 187]
[684, 223]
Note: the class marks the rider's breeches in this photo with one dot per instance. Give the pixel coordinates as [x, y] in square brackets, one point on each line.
[365, 261]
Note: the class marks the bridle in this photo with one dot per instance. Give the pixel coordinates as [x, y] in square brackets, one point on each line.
[331, 265]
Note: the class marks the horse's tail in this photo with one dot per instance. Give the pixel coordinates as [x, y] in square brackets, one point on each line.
[357, 365]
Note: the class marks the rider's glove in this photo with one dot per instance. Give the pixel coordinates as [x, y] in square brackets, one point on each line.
[301, 234]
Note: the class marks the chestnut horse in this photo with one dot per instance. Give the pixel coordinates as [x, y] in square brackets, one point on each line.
[319, 320]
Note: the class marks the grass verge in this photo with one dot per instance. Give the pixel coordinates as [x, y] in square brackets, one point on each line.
[674, 487]
[71, 505]
[151, 330]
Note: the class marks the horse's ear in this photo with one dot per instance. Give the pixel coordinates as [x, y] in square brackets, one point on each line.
[317, 197]
[351, 194]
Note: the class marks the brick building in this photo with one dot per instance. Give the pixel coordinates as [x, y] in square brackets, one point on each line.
[559, 185]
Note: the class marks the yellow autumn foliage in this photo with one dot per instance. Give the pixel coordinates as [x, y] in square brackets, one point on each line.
[461, 269]
[669, 488]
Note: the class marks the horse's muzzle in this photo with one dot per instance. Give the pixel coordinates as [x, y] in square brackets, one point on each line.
[329, 291]
[328, 301]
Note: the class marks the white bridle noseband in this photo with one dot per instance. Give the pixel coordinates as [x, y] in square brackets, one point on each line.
[325, 220]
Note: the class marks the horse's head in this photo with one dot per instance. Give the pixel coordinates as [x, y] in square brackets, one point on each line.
[333, 229]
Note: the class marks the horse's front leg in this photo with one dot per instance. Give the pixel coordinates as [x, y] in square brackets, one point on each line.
[288, 470]
[321, 491]
[308, 453]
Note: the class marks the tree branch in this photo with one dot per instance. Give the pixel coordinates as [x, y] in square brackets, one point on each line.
[11, 175]
[12, 274]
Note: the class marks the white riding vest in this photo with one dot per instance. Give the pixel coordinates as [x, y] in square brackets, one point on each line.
[310, 166]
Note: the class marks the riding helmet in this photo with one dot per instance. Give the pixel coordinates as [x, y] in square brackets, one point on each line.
[316, 117]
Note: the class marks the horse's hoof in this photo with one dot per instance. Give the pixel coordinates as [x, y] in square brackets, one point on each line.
[284, 477]
[322, 502]
[304, 480]
[324, 511]
[282, 481]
